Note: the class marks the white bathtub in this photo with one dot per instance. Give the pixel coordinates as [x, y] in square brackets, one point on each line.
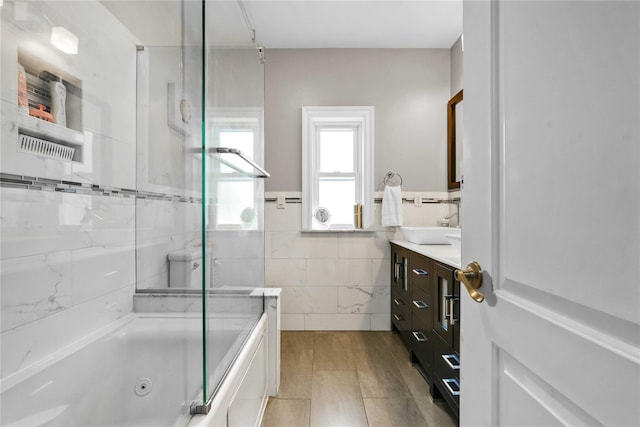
[94, 381]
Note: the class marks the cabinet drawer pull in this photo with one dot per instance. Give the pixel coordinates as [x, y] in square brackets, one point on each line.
[453, 386]
[398, 302]
[452, 316]
[405, 278]
[419, 336]
[399, 318]
[420, 304]
[452, 360]
[443, 312]
[447, 307]
[419, 272]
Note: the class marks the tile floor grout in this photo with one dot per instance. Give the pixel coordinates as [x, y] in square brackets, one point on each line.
[350, 378]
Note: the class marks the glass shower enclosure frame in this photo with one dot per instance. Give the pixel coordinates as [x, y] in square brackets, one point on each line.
[220, 84]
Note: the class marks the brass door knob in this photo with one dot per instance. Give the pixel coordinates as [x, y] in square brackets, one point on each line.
[471, 278]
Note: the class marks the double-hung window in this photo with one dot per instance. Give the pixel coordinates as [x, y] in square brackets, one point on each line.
[236, 195]
[337, 159]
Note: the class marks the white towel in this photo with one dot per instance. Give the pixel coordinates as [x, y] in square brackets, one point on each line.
[392, 206]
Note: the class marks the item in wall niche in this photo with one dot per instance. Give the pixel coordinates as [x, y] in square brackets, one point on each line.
[41, 113]
[23, 102]
[178, 110]
[58, 102]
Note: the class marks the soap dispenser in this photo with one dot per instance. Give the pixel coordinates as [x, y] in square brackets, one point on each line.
[58, 99]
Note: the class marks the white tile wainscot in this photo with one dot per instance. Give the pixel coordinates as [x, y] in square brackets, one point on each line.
[336, 281]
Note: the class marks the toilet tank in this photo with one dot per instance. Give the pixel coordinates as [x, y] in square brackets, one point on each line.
[185, 268]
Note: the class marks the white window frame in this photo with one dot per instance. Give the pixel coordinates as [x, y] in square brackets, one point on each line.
[361, 119]
[229, 119]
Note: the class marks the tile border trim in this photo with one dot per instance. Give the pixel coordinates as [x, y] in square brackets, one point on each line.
[72, 187]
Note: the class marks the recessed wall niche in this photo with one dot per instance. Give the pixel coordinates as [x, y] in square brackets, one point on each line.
[39, 132]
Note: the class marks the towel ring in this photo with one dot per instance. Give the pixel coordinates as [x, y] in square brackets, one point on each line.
[391, 175]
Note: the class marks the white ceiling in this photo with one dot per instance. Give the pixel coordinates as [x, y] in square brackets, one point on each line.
[356, 24]
[301, 23]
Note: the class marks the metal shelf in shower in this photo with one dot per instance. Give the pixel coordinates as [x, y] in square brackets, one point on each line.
[224, 150]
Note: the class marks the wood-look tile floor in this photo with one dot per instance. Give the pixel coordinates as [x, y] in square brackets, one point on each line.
[351, 379]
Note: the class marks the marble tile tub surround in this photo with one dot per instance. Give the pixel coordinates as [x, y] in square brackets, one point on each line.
[68, 268]
[338, 281]
[236, 256]
[68, 257]
[163, 226]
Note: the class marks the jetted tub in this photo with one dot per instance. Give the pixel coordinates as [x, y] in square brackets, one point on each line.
[144, 370]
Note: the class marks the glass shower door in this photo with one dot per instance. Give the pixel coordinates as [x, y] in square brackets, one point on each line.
[170, 265]
[233, 125]
[200, 232]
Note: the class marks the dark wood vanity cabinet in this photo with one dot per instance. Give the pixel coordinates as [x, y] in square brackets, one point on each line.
[446, 342]
[400, 310]
[425, 310]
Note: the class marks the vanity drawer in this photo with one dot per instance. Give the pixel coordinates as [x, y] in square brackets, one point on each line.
[422, 337]
[401, 317]
[400, 303]
[420, 273]
[421, 310]
[403, 326]
[422, 349]
[446, 367]
[450, 389]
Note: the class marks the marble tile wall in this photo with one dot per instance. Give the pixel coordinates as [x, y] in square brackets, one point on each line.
[67, 258]
[68, 268]
[336, 281]
[163, 226]
[105, 69]
[237, 258]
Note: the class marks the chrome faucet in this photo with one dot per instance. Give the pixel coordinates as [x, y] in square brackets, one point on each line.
[444, 222]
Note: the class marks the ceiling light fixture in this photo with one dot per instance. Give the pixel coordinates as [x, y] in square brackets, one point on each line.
[64, 40]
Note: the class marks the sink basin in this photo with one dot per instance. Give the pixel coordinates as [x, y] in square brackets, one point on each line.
[429, 235]
[455, 240]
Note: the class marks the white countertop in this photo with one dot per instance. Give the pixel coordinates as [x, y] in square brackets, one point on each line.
[445, 254]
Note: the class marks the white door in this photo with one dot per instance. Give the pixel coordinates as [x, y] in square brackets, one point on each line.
[551, 205]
